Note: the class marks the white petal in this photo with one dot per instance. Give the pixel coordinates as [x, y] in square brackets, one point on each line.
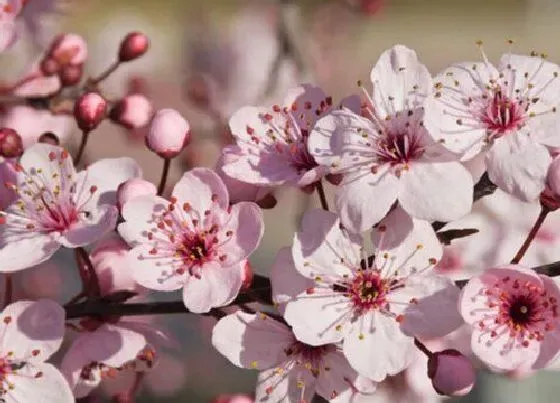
[284, 387]
[27, 251]
[38, 382]
[36, 160]
[92, 228]
[153, 272]
[198, 187]
[139, 214]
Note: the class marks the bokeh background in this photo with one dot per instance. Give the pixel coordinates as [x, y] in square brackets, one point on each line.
[209, 58]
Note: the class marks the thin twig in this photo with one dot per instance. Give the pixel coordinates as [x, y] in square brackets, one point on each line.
[164, 174]
[322, 197]
[93, 82]
[531, 236]
[8, 290]
[85, 137]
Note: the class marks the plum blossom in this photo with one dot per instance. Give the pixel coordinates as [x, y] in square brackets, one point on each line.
[504, 111]
[291, 371]
[30, 333]
[513, 315]
[271, 143]
[374, 306]
[57, 206]
[387, 154]
[195, 241]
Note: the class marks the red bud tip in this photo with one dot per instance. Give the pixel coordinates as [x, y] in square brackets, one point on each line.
[11, 145]
[134, 45]
[89, 111]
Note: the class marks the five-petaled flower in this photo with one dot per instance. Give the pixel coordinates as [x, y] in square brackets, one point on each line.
[291, 371]
[195, 241]
[57, 206]
[387, 154]
[374, 306]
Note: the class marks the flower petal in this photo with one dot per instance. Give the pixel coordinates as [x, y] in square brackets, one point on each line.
[21, 250]
[47, 162]
[154, 272]
[90, 229]
[38, 382]
[139, 214]
[201, 187]
[273, 386]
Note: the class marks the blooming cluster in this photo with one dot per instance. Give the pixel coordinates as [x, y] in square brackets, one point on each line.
[366, 294]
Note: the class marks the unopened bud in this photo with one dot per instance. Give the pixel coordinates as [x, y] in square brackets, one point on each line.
[71, 75]
[49, 138]
[49, 66]
[169, 133]
[89, 111]
[11, 145]
[68, 49]
[133, 188]
[134, 45]
[133, 111]
[452, 373]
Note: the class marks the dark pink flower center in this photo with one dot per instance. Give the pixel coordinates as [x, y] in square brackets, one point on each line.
[502, 114]
[367, 290]
[399, 148]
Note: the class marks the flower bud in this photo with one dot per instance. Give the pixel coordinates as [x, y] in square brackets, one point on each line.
[49, 138]
[71, 75]
[89, 111]
[168, 134]
[11, 145]
[452, 373]
[134, 45]
[133, 111]
[49, 66]
[68, 49]
[133, 188]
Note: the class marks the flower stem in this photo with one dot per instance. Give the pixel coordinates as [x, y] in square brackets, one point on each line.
[322, 197]
[531, 236]
[85, 137]
[8, 290]
[93, 82]
[164, 173]
[422, 347]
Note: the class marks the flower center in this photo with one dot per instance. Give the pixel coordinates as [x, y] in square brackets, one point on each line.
[399, 148]
[502, 114]
[196, 249]
[368, 290]
[522, 310]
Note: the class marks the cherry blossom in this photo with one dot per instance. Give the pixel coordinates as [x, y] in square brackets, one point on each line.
[58, 206]
[376, 306]
[513, 314]
[194, 241]
[291, 371]
[271, 143]
[506, 111]
[30, 333]
[388, 155]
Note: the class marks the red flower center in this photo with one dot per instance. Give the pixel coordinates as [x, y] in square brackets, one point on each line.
[502, 114]
[368, 290]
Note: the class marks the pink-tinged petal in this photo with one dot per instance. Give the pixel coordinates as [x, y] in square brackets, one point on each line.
[400, 81]
[364, 198]
[252, 341]
[411, 245]
[376, 347]
[342, 384]
[315, 316]
[36, 85]
[306, 101]
[438, 191]
[353, 103]
[106, 175]
[217, 286]
[154, 272]
[448, 114]
[32, 330]
[7, 175]
[545, 130]
[8, 34]
[277, 387]
[139, 215]
[334, 140]
[38, 382]
[433, 312]
[286, 281]
[451, 372]
[518, 165]
[24, 249]
[111, 345]
[92, 228]
[247, 228]
[245, 119]
[37, 160]
[322, 247]
[201, 188]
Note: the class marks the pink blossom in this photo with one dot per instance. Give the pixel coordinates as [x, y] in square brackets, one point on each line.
[290, 369]
[452, 373]
[169, 133]
[195, 241]
[513, 316]
[133, 111]
[388, 155]
[89, 111]
[271, 143]
[31, 123]
[375, 307]
[9, 9]
[31, 333]
[57, 206]
[134, 45]
[132, 188]
[505, 112]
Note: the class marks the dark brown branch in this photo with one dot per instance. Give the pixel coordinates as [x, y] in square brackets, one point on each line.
[445, 237]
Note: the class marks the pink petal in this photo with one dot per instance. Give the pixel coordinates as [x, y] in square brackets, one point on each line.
[276, 387]
[252, 341]
[153, 272]
[37, 159]
[138, 214]
[48, 387]
[91, 229]
[198, 186]
[23, 250]
[7, 175]
[305, 97]
[8, 34]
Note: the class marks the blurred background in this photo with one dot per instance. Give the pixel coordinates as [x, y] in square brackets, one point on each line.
[209, 58]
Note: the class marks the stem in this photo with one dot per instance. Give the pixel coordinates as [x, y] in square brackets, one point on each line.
[85, 137]
[93, 82]
[164, 173]
[531, 236]
[8, 291]
[422, 347]
[322, 197]
[90, 282]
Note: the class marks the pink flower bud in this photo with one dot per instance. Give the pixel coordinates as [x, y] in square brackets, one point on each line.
[89, 111]
[133, 188]
[169, 133]
[134, 45]
[133, 111]
[68, 49]
[233, 399]
[11, 145]
[71, 75]
[452, 373]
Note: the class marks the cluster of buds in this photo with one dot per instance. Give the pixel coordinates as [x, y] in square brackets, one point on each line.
[65, 58]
